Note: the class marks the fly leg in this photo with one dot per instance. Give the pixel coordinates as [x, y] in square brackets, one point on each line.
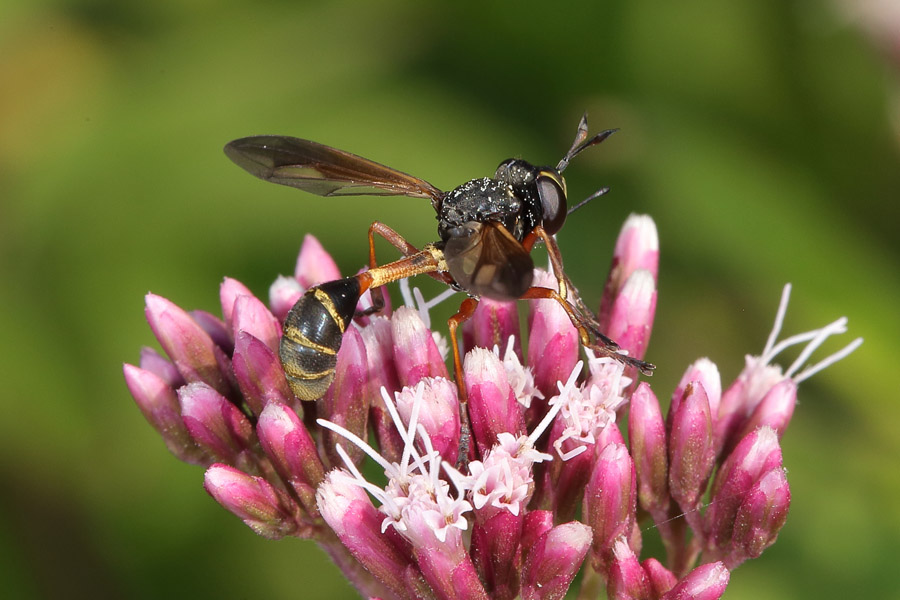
[581, 316]
[405, 248]
[466, 310]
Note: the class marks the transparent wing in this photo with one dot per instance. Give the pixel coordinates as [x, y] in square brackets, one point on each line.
[323, 170]
[490, 262]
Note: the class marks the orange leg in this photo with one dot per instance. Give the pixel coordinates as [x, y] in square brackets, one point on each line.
[466, 310]
[539, 233]
[420, 262]
[581, 316]
[585, 327]
[423, 262]
[405, 248]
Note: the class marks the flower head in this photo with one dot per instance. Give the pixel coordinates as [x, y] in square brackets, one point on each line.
[763, 392]
[550, 480]
[419, 505]
[587, 409]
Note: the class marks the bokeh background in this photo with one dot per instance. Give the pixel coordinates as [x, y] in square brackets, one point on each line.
[762, 136]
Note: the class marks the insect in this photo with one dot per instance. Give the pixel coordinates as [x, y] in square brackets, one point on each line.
[487, 229]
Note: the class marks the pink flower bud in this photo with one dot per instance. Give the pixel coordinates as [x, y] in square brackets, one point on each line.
[637, 247]
[415, 353]
[495, 542]
[554, 560]
[440, 552]
[706, 582]
[259, 375]
[627, 579]
[229, 291]
[493, 323]
[568, 477]
[493, 407]
[647, 435]
[536, 524]
[346, 401]
[741, 399]
[774, 410]
[757, 454]
[661, 579]
[252, 316]
[691, 450]
[216, 424]
[358, 524]
[292, 451]
[160, 407]
[585, 425]
[707, 373]
[760, 517]
[266, 510]
[314, 264]
[381, 372]
[215, 328]
[283, 295]
[553, 343]
[193, 352]
[610, 502]
[438, 413]
[632, 312]
[154, 362]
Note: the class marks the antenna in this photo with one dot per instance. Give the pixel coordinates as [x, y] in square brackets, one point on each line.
[582, 142]
[596, 194]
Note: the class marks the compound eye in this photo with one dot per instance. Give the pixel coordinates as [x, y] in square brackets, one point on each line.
[553, 201]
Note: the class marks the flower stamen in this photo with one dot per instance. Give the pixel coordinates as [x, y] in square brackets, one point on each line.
[815, 338]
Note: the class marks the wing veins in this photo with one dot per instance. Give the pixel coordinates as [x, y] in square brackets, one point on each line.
[323, 170]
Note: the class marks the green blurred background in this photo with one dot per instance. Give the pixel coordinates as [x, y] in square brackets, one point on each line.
[762, 136]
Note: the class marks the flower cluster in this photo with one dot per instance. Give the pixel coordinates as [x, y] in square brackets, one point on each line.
[551, 487]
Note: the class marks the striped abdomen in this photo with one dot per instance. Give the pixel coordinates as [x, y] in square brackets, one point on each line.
[313, 330]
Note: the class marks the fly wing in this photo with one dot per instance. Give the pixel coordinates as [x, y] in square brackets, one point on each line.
[489, 262]
[323, 170]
